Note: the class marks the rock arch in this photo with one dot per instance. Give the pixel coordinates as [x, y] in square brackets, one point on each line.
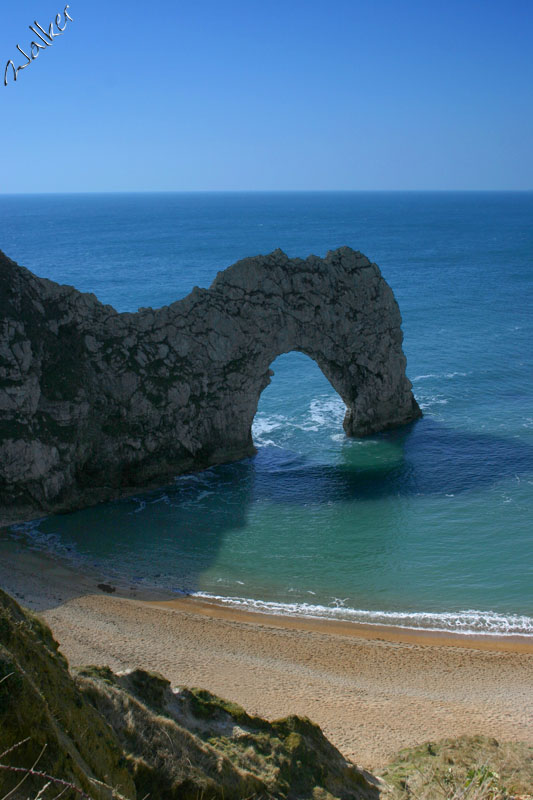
[95, 404]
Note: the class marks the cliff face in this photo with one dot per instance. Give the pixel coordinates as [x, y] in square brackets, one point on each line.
[94, 403]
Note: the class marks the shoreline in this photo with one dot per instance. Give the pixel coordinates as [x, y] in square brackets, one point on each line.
[373, 632]
[67, 575]
[373, 690]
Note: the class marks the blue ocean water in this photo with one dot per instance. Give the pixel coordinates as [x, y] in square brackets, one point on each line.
[427, 526]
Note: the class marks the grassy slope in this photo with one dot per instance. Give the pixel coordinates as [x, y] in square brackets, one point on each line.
[132, 735]
[467, 767]
[40, 702]
[138, 736]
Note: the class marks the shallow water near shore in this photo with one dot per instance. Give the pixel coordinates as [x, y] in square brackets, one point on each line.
[428, 526]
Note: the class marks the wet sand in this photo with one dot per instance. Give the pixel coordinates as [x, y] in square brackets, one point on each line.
[372, 689]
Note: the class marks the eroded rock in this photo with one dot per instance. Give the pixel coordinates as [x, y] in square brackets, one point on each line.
[95, 404]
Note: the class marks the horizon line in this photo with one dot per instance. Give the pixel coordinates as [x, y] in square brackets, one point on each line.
[264, 191]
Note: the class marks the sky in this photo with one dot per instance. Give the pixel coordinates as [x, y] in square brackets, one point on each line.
[271, 95]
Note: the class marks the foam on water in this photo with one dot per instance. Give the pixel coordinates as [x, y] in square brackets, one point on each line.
[468, 622]
[448, 375]
[326, 412]
[429, 401]
[263, 425]
[419, 522]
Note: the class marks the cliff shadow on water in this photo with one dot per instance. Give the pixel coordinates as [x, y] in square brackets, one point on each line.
[424, 458]
[171, 538]
[95, 405]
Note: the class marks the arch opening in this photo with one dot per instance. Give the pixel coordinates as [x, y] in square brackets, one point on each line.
[114, 402]
[299, 408]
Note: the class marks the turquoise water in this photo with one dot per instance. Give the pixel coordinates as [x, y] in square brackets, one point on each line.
[427, 526]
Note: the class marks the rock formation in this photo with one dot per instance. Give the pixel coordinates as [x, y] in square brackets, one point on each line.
[95, 404]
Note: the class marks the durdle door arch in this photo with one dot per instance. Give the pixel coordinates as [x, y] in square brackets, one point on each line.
[95, 404]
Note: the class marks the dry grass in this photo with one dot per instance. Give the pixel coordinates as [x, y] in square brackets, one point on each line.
[468, 768]
[52, 788]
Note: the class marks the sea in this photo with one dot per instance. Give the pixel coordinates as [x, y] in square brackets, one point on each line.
[429, 526]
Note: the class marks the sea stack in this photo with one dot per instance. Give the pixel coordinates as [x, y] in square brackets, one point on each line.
[95, 404]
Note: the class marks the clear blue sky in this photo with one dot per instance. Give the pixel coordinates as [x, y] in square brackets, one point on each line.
[270, 94]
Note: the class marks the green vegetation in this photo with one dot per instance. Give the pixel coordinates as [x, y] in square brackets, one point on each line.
[467, 768]
[103, 736]
[111, 736]
[189, 744]
[45, 718]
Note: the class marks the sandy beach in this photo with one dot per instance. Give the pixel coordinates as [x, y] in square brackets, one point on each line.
[373, 690]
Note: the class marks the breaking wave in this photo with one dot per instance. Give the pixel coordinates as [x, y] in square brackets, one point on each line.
[448, 375]
[467, 622]
[324, 413]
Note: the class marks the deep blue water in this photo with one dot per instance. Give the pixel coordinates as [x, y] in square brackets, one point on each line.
[430, 525]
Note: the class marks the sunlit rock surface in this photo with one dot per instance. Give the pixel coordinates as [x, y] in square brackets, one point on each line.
[95, 404]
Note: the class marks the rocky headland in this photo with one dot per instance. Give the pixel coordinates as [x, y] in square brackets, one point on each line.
[95, 404]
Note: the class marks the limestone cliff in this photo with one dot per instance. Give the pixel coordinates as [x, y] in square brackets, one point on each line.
[94, 403]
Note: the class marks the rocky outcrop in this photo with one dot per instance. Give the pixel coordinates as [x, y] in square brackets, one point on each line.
[94, 403]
